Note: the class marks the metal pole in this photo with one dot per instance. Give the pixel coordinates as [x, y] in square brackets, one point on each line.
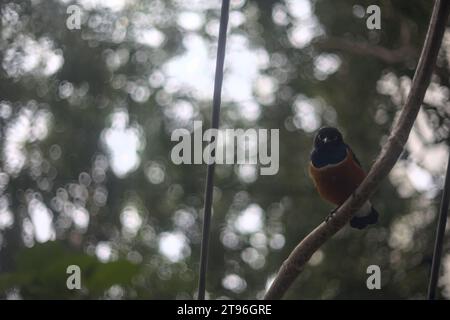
[215, 125]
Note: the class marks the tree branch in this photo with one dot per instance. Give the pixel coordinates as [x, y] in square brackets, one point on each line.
[405, 52]
[390, 56]
[382, 166]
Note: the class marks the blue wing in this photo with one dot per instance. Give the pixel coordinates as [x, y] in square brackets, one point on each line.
[354, 155]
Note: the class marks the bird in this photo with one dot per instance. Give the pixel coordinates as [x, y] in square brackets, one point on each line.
[337, 172]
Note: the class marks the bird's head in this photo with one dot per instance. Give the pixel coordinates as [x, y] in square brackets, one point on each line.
[328, 136]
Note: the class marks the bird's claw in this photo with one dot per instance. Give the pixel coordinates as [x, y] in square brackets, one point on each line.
[331, 215]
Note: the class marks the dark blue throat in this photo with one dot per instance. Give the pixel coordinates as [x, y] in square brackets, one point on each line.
[328, 154]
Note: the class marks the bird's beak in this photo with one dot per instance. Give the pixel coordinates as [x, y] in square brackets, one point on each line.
[325, 140]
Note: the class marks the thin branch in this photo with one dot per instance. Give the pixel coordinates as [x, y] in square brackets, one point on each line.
[405, 52]
[440, 232]
[382, 166]
[390, 56]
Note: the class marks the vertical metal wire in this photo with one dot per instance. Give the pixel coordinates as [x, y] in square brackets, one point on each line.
[215, 125]
[440, 231]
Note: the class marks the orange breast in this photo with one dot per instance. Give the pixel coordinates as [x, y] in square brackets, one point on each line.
[336, 183]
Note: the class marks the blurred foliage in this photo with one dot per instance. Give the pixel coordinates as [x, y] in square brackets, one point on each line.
[69, 98]
[40, 275]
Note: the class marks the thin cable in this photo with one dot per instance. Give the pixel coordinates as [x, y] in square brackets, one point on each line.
[440, 231]
[211, 166]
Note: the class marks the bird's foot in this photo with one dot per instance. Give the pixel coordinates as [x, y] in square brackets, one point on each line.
[331, 215]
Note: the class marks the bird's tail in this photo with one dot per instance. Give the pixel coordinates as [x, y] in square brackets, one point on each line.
[361, 221]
